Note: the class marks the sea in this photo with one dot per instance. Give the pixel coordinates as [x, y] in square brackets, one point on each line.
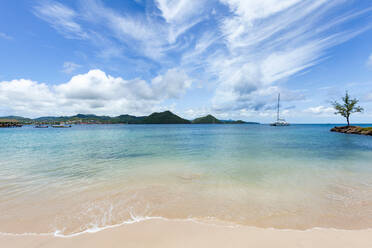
[68, 181]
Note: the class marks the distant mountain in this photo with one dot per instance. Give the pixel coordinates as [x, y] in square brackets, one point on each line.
[238, 122]
[209, 119]
[18, 118]
[128, 119]
[165, 117]
[51, 118]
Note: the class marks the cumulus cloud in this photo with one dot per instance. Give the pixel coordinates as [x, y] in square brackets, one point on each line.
[320, 110]
[171, 84]
[93, 92]
[193, 113]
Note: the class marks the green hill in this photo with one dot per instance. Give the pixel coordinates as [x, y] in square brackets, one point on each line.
[128, 119]
[165, 117]
[209, 119]
[238, 122]
[78, 117]
[18, 118]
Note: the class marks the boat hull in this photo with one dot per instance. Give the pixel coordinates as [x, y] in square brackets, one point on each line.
[279, 125]
[57, 126]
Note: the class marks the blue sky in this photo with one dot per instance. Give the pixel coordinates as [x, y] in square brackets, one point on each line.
[229, 58]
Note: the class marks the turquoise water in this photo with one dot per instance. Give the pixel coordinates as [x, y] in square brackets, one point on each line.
[91, 176]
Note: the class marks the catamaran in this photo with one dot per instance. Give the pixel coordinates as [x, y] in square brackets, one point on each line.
[279, 122]
[41, 126]
[61, 125]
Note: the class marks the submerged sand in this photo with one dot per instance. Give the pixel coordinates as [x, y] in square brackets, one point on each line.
[169, 233]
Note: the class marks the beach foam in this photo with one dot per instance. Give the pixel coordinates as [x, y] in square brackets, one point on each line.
[175, 233]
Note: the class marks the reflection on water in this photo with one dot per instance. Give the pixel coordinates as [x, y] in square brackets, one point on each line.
[86, 177]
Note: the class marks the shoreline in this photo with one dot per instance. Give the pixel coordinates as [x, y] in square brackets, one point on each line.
[212, 222]
[353, 130]
[189, 233]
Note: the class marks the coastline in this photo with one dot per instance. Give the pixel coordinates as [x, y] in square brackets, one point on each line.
[353, 130]
[234, 181]
[187, 233]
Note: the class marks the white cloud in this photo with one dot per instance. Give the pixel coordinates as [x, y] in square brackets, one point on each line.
[181, 15]
[195, 113]
[257, 9]
[368, 97]
[320, 110]
[171, 84]
[26, 96]
[142, 34]
[369, 61]
[269, 41]
[62, 18]
[93, 92]
[70, 67]
[5, 36]
[173, 11]
[245, 54]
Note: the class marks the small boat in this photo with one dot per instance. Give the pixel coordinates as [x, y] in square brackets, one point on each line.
[41, 126]
[61, 126]
[279, 122]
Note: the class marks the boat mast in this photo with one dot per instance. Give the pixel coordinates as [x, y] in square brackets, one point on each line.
[277, 114]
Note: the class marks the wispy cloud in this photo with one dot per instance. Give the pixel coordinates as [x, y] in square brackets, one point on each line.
[272, 40]
[62, 18]
[5, 36]
[245, 49]
[369, 61]
[152, 35]
[69, 67]
[134, 32]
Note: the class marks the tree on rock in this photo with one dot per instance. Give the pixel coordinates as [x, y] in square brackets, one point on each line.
[347, 107]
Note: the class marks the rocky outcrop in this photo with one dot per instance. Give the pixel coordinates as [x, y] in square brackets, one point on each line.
[353, 130]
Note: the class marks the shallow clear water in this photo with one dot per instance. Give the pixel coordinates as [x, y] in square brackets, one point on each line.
[91, 176]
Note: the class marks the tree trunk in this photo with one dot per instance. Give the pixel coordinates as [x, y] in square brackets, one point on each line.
[348, 121]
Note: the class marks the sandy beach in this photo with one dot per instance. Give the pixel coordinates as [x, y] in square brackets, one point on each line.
[186, 123]
[167, 233]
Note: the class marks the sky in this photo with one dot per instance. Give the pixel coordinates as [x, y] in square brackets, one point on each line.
[229, 58]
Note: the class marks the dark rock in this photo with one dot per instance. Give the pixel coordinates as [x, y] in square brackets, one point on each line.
[353, 130]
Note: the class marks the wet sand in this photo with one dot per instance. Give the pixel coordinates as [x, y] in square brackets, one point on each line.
[165, 233]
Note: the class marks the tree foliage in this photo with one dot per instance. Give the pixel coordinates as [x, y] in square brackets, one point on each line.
[347, 107]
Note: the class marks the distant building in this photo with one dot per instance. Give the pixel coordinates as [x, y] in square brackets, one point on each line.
[9, 123]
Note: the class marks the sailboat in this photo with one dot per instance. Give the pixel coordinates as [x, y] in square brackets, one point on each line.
[279, 122]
